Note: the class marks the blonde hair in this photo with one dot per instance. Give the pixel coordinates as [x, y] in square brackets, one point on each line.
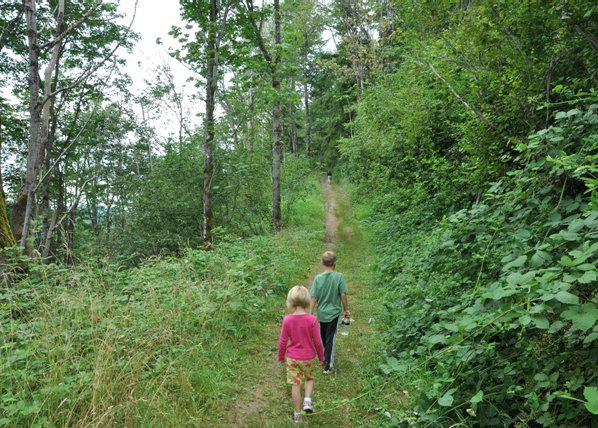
[329, 258]
[298, 296]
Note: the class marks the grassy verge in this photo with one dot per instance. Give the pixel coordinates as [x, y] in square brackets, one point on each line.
[165, 344]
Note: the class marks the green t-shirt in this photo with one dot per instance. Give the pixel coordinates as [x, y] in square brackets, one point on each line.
[327, 289]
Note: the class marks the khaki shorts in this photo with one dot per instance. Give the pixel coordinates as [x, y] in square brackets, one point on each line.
[298, 369]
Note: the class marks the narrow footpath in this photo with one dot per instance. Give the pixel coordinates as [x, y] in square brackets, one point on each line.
[339, 399]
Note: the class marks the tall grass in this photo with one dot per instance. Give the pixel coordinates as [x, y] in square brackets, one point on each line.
[158, 345]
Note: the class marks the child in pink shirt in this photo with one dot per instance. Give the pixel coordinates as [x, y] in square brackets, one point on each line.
[303, 331]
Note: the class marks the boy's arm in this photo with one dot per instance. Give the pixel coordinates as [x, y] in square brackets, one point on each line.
[312, 305]
[345, 304]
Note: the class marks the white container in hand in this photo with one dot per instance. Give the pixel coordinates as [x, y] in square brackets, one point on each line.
[345, 326]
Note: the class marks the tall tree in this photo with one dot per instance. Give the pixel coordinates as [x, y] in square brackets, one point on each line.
[7, 238]
[208, 53]
[211, 86]
[273, 63]
[358, 42]
[306, 20]
[43, 92]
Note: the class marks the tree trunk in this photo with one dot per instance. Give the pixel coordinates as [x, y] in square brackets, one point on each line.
[294, 139]
[38, 120]
[276, 124]
[49, 233]
[46, 212]
[230, 114]
[251, 122]
[306, 98]
[292, 127]
[208, 168]
[274, 64]
[69, 234]
[147, 140]
[108, 222]
[60, 207]
[18, 209]
[48, 227]
[7, 239]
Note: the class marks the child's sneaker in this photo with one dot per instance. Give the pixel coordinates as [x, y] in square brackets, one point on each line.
[308, 407]
[298, 418]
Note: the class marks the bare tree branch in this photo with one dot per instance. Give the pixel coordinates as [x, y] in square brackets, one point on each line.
[258, 34]
[516, 44]
[61, 154]
[65, 33]
[589, 36]
[92, 69]
[76, 201]
[461, 99]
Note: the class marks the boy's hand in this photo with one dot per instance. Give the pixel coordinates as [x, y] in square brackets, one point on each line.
[347, 314]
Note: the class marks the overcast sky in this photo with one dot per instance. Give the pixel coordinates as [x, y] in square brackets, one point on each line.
[153, 20]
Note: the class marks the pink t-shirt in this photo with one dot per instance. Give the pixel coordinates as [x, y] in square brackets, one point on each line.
[304, 333]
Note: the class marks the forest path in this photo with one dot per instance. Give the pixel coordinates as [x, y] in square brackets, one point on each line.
[266, 400]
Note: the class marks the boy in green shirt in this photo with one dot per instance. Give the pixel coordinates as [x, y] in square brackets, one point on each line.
[329, 293]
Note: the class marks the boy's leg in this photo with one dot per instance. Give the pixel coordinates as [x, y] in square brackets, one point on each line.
[331, 336]
[323, 331]
[328, 333]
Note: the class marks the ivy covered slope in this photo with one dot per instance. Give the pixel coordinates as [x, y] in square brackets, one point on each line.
[480, 157]
[495, 304]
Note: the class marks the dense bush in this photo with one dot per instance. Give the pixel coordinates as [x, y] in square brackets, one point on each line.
[496, 305]
[478, 153]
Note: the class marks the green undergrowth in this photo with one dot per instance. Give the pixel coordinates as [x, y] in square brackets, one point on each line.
[157, 345]
[491, 312]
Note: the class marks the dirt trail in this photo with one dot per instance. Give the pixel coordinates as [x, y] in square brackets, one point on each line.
[331, 219]
[267, 402]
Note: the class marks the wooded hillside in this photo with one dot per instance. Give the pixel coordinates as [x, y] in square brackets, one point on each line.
[466, 132]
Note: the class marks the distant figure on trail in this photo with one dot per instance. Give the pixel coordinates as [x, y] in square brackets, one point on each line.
[329, 294]
[329, 176]
[301, 328]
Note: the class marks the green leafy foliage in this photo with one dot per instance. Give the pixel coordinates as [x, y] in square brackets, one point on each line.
[591, 394]
[484, 201]
[159, 344]
[501, 296]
